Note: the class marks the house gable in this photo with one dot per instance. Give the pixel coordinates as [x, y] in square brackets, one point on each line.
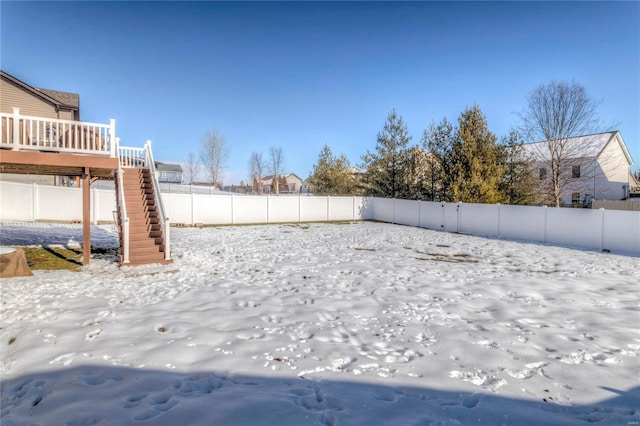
[614, 159]
[617, 141]
[37, 102]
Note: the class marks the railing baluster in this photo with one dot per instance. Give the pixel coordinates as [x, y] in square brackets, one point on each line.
[23, 132]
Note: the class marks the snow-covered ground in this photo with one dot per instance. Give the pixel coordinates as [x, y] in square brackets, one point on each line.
[329, 324]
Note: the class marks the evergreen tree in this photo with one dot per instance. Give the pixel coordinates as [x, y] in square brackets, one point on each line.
[438, 140]
[421, 175]
[332, 175]
[476, 166]
[519, 183]
[387, 165]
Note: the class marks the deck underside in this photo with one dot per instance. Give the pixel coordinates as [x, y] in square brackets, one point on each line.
[57, 164]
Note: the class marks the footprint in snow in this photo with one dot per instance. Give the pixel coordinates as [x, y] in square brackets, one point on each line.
[64, 359]
[198, 385]
[158, 404]
[312, 399]
[92, 334]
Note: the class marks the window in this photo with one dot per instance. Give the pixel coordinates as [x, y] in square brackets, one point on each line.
[575, 171]
[575, 199]
[543, 173]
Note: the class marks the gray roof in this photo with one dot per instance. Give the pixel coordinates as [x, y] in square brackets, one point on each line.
[65, 98]
[168, 167]
[587, 146]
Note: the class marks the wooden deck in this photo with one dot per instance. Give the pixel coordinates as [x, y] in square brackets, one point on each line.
[36, 145]
[57, 164]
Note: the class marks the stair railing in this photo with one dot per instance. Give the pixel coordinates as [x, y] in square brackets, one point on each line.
[164, 220]
[123, 217]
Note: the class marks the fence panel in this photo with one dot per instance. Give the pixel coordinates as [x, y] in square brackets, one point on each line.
[364, 208]
[313, 209]
[103, 204]
[574, 227]
[621, 230]
[406, 212]
[450, 217]
[382, 209]
[212, 209]
[479, 219]
[16, 201]
[340, 208]
[178, 208]
[284, 209]
[58, 203]
[250, 209]
[522, 222]
[431, 215]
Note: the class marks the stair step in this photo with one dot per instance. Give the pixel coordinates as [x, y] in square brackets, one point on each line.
[145, 250]
[146, 239]
[137, 243]
[145, 260]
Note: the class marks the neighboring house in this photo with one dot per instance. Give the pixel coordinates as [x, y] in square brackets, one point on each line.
[634, 180]
[44, 103]
[293, 184]
[593, 167]
[168, 172]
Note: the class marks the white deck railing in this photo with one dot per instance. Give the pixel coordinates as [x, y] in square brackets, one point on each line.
[131, 157]
[31, 133]
[164, 220]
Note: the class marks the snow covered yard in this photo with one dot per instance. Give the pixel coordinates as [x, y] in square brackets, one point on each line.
[329, 324]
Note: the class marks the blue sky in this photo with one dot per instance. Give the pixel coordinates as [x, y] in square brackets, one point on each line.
[302, 74]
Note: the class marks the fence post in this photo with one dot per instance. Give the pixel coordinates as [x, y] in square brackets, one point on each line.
[442, 222]
[299, 207]
[544, 238]
[419, 224]
[193, 206]
[328, 208]
[353, 207]
[393, 217]
[16, 129]
[602, 229]
[499, 233]
[34, 213]
[268, 208]
[459, 216]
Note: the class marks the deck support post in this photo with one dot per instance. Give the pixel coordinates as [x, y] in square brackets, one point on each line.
[86, 219]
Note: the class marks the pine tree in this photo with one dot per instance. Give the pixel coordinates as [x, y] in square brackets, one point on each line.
[386, 166]
[421, 175]
[519, 183]
[332, 175]
[438, 140]
[476, 166]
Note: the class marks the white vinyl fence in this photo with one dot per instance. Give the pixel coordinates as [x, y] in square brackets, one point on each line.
[32, 202]
[595, 229]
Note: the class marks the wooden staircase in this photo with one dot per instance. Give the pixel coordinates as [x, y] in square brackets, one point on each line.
[146, 240]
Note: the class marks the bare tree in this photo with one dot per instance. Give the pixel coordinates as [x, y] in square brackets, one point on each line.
[556, 113]
[275, 164]
[214, 154]
[191, 168]
[257, 166]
